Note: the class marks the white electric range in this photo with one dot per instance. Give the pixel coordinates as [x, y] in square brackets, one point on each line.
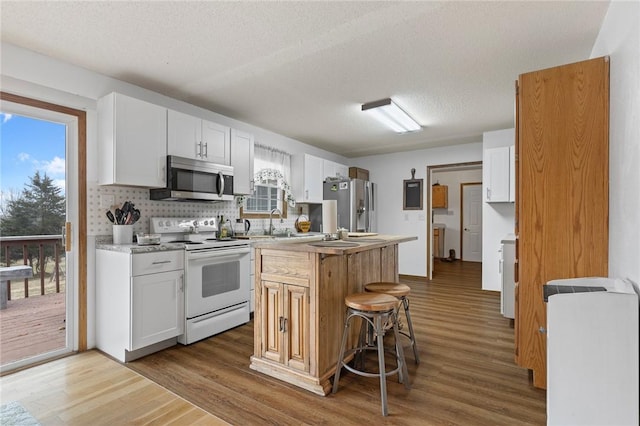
[217, 275]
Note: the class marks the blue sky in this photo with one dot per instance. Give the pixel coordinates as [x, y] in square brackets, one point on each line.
[28, 145]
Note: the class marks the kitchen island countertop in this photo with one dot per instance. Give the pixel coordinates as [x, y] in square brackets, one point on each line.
[338, 247]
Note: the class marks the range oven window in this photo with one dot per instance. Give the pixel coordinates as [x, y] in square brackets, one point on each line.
[193, 181]
[220, 278]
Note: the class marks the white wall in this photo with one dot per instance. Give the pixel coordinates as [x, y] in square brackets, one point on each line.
[40, 77]
[619, 38]
[388, 171]
[450, 216]
[498, 219]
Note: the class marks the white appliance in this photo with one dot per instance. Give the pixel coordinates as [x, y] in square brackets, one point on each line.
[217, 276]
[355, 203]
[592, 352]
[507, 270]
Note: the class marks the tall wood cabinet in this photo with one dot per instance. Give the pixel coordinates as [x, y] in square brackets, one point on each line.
[562, 172]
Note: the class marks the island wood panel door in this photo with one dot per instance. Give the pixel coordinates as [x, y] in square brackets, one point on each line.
[562, 220]
[389, 264]
[295, 327]
[331, 311]
[364, 268]
[272, 312]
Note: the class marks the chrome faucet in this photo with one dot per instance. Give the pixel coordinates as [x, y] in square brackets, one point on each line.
[271, 227]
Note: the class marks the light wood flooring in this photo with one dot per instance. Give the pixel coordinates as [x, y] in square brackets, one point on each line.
[467, 375]
[91, 389]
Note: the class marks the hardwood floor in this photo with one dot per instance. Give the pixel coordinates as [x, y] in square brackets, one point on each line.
[467, 376]
[91, 389]
[467, 373]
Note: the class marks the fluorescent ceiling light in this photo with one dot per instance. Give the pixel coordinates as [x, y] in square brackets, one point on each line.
[389, 114]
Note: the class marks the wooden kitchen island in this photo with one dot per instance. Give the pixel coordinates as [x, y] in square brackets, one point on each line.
[299, 312]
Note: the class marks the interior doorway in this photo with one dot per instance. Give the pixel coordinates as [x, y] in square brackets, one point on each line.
[471, 222]
[447, 219]
[53, 303]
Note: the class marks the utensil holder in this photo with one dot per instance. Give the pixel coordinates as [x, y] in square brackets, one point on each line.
[122, 234]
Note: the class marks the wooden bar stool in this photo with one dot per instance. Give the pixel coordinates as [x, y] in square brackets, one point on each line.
[401, 291]
[376, 310]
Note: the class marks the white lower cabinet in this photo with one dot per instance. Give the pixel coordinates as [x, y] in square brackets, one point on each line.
[139, 302]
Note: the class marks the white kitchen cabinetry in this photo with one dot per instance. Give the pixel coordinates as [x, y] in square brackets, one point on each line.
[242, 148]
[132, 142]
[307, 179]
[308, 174]
[333, 169]
[193, 137]
[500, 186]
[139, 302]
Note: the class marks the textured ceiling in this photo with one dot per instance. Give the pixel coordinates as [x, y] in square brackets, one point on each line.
[302, 69]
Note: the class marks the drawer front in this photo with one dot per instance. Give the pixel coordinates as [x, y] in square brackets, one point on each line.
[155, 262]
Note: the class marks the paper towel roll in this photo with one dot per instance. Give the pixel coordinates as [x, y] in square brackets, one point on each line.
[329, 216]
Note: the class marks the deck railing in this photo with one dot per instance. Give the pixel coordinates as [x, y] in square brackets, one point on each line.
[24, 243]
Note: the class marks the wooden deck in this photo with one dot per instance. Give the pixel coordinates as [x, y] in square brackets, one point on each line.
[32, 326]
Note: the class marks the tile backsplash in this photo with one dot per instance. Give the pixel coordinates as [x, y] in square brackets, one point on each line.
[98, 224]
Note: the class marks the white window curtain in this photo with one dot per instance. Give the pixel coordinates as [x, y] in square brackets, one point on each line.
[272, 164]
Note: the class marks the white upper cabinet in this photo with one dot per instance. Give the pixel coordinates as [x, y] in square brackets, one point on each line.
[306, 178]
[216, 140]
[242, 148]
[500, 175]
[333, 169]
[132, 142]
[309, 173]
[184, 135]
[193, 137]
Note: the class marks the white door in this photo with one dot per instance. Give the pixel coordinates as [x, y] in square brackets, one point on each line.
[472, 222]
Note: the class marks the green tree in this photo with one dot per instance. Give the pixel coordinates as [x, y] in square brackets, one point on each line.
[39, 210]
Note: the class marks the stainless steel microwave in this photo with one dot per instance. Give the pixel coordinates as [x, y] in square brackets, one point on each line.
[195, 180]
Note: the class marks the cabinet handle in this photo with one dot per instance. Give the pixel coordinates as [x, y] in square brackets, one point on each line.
[488, 193]
[206, 150]
[281, 324]
[199, 149]
[182, 283]
[161, 262]
[542, 330]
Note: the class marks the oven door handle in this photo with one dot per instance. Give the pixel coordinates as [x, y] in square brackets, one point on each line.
[208, 254]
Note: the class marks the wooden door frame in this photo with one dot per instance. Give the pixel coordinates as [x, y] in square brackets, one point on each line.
[81, 286]
[462, 185]
[430, 170]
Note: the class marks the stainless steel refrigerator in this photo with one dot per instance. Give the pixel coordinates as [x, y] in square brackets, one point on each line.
[355, 201]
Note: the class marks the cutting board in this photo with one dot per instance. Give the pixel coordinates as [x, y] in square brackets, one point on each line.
[362, 234]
